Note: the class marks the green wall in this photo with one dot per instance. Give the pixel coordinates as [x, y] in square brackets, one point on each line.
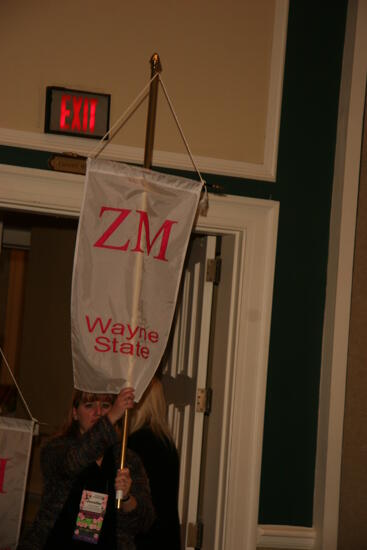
[304, 182]
[304, 187]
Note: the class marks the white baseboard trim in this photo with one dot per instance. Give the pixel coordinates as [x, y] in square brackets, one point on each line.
[286, 536]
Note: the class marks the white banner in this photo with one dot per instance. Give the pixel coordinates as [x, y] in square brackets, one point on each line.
[15, 450]
[132, 239]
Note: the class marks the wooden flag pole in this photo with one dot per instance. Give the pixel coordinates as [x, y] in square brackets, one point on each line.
[148, 155]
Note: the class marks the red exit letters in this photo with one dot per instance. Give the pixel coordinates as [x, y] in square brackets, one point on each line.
[78, 113]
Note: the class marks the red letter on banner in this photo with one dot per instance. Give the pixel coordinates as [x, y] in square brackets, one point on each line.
[165, 227]
[3, 462]
[112, 228]
[64, 112]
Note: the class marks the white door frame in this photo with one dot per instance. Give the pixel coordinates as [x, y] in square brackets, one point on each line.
[253, 224]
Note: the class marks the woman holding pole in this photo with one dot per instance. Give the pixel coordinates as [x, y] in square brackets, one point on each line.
[80, 467]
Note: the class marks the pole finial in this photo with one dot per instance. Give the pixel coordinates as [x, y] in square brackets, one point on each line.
[155, 63]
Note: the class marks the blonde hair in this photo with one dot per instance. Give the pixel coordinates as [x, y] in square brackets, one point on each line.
[151, 411]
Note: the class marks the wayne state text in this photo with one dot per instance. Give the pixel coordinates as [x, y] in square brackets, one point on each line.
[120, 338]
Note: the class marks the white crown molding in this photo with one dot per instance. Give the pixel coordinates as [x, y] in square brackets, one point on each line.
[286, 536]
[135, 155]
[265, 171]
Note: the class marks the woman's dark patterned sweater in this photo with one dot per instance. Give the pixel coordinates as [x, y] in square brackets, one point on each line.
[63, 459]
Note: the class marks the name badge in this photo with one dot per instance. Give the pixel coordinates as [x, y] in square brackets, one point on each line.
[90, 516]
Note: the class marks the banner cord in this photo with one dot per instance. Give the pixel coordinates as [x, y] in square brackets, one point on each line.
[180, 128]
[121, 120]
[17, 386]
[132, 107]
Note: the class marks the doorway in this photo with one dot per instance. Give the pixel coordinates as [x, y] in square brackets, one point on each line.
[250, 226]
[40, 249]
[36, 266]
[39, 313]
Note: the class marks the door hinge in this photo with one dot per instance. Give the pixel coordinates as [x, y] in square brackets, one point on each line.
[195, 535]
[213, 268]
[204, 400]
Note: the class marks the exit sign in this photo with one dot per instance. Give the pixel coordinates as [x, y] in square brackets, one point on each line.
[76, 113]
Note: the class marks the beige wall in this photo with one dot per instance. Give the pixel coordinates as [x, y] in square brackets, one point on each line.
[216, 65]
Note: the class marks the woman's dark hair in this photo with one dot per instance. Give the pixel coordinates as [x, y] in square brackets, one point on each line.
[71, 426]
